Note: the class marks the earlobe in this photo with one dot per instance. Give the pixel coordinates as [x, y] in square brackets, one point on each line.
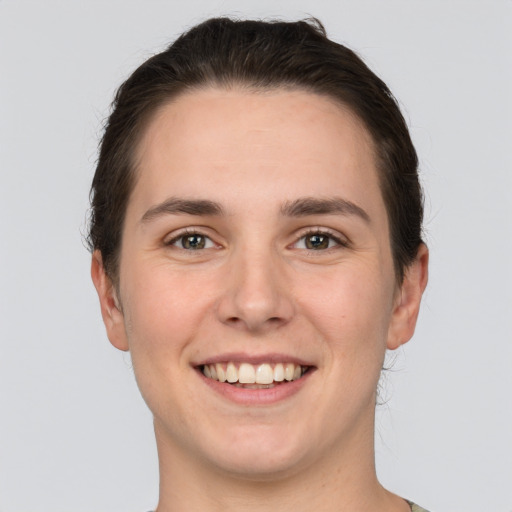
[111, 311]
[407, 306]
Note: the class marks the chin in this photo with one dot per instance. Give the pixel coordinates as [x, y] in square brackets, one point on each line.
[260, 469]
[259, 454]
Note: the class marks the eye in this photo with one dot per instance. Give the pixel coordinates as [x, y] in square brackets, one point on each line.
[191, 242]
[318, 241]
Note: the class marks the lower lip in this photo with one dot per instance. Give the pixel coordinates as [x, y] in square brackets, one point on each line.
[263, 396]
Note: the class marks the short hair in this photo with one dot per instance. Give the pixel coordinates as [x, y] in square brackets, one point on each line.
[224, 53]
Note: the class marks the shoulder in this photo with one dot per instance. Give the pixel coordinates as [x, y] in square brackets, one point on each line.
[416, 508]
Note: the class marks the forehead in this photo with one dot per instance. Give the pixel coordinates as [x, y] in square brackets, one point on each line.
[238, 143]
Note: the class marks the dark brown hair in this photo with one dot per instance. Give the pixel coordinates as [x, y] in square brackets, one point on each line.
[223, 52]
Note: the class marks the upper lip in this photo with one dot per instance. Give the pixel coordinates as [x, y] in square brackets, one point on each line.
[241, 357]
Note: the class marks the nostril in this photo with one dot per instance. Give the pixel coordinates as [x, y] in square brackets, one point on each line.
[246, 304]
[252, 324]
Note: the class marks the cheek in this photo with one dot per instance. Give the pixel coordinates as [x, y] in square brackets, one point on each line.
[351, 308]
[349, 312]
[163, 311]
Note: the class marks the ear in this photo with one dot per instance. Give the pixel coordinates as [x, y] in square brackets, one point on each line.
[408, 299]
[111, 311]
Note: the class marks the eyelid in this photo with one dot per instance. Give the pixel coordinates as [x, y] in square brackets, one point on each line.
[340, 239]
[171, 239]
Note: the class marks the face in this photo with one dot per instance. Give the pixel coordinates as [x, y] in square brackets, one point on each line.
[257, 294]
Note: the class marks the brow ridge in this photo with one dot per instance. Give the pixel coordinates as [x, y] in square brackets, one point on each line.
[305, 206]
[176, 206]
[300, 207]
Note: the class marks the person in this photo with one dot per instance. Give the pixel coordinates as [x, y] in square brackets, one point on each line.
[256, 241]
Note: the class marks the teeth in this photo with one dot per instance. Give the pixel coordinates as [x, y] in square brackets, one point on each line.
[221, 374]
[289, 371]
[231, 373]
[265, 374]
[246, 373]
[279, 372]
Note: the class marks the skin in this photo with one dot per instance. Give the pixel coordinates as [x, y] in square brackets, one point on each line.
[254, 290]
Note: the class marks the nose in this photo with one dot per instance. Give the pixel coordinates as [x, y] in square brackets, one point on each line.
[255, 294]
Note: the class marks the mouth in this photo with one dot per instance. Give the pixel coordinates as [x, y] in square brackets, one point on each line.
[254, 376]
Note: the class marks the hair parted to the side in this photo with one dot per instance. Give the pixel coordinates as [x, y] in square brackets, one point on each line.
[225, 53]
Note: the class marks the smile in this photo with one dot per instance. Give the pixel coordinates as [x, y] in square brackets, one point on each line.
[246, 375]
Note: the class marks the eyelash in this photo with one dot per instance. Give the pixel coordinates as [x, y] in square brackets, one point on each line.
[341, 242]
[188, 233]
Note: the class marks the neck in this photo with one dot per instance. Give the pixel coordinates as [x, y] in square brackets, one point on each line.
[343, 479]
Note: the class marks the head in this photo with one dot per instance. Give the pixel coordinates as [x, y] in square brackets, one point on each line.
[256, 211]
[256, 55]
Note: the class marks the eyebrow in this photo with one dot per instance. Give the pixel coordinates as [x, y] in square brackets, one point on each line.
[175, 205]
[305, 206]
[301, 207]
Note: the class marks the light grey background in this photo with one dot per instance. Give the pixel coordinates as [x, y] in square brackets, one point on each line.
[74, 432]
